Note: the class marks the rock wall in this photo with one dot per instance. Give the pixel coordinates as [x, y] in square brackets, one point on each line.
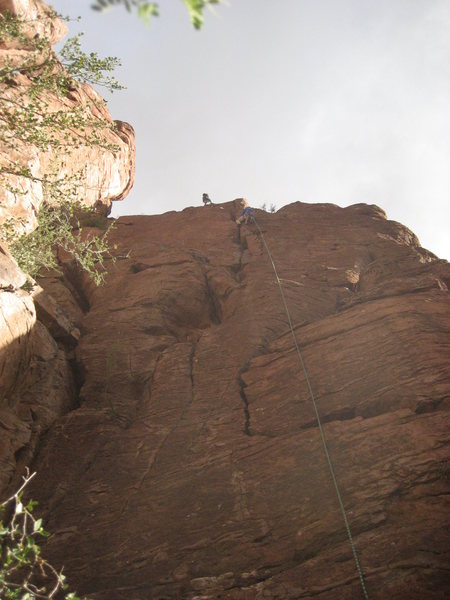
[37, 382]
[193, 466]
[38, 332]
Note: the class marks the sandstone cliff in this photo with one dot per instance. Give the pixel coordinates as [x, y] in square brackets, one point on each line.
[192, 465]
[169, 419]
[37, 367]
[97, 173]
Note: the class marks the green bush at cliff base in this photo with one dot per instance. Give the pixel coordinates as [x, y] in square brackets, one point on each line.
[24, 573]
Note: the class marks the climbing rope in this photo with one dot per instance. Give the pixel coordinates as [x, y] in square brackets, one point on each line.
[325, 447]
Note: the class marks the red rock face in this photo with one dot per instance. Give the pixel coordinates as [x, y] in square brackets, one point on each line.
[37, 375]
[95, 173]
[194, 466]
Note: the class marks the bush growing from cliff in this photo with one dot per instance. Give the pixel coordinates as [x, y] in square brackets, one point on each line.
[24, 573]
[29, 120]
[59, 227]
[56, 133]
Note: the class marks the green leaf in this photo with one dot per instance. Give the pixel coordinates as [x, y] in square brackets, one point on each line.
[31, 505]
[37, 525]
[148, 10]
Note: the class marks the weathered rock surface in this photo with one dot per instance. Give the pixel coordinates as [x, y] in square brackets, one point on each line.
[36, 12]
[37, 380]
[38, 331]
[97, 173]
[194, 466]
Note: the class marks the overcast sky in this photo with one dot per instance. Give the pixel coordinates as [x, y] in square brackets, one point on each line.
[340, 101]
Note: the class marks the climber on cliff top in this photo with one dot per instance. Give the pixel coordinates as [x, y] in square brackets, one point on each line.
[247, 215]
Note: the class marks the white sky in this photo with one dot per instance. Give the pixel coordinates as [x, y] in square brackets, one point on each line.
[340, 101]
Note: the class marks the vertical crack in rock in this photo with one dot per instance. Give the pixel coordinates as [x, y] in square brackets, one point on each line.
[74, 277]
[79, 377]
[243, 244]
[237, 266]
[191, 372]
[242, 387]
[213, 302]
[215, 312]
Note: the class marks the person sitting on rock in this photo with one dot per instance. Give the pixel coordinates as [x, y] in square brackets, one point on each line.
[247, 215]
[206, 199]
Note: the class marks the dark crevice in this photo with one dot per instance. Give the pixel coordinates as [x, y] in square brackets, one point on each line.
[348, 414]
[21, 454]
[215, 311]
[199, 257]
[242, 387]
[191, 369]
[238, 234]
[262, 538]
[157, 330]
[73, 289]
[237, 267]
[138, 267]
[345, 414]
[73, 275]
[79, 378]
[429, 405]
[243, 244]
[213, 301]
[355, 300]
[26, 455]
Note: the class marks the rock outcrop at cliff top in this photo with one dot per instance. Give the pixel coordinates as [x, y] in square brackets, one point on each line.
[194, 467]
[100, 172]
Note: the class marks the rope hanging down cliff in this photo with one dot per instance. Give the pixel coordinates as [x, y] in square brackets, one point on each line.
[325, 447]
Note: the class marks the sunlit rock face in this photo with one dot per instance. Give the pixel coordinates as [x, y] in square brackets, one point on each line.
[37, 381]
[99, 173]
[194, 467]
[37, 14]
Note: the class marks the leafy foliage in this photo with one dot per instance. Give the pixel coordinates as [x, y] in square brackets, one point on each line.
[24, 573]
[89, 68]
[59, 227]
[195, 9]
[146, 10]
[30, 121]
